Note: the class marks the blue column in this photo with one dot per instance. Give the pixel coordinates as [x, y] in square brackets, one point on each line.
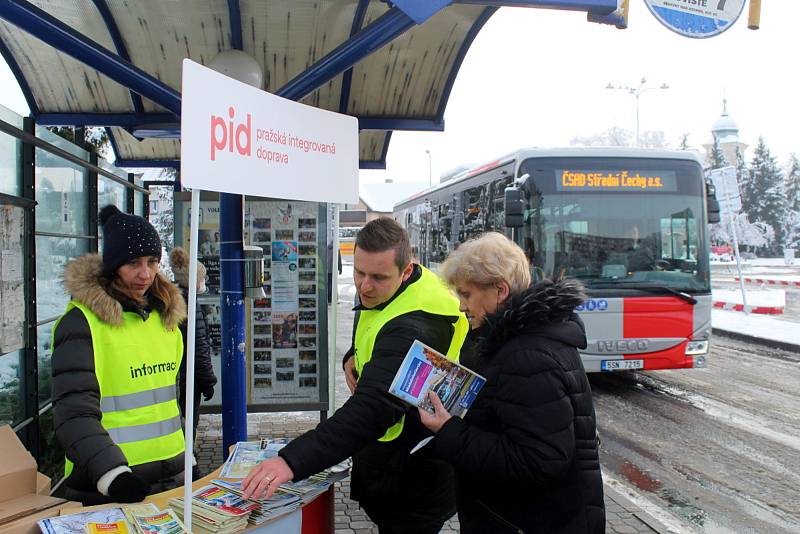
[234, 377]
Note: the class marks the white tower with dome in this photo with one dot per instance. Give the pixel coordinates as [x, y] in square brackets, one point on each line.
[726, 132]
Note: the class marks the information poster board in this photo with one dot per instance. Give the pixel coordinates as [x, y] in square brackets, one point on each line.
[12, 286]
[287, 343]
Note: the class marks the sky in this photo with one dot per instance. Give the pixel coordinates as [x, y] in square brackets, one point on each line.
[538, 77]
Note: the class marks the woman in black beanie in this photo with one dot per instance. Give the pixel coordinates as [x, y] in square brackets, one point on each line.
[117, 351]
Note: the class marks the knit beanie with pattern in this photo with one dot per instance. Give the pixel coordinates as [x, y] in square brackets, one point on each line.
[126, 237]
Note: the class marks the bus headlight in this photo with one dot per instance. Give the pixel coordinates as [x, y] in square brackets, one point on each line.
[697, 347]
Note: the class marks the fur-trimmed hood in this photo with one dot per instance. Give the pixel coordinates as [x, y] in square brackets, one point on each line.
[83, 279]
[545, 309]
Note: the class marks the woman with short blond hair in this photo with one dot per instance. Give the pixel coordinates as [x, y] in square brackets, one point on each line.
[526, 454]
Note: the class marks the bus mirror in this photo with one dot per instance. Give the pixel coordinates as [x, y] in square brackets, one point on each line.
[513, 207]
[713, 210]
[712, 204]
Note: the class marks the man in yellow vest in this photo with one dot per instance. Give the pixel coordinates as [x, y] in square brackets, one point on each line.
[117, 351]
[400, 301]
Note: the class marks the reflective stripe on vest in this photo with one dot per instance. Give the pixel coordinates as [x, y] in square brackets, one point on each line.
[138, 400]
[428, 294]
[136, 365]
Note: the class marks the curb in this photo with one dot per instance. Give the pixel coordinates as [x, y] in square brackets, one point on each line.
[640, 514]
[772, 343]
[764, 310]
[769, 282]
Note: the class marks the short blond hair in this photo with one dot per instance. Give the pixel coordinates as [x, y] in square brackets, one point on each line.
[487, 260]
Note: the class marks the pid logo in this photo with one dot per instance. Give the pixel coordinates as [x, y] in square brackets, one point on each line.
[593, 305]
[224, 134]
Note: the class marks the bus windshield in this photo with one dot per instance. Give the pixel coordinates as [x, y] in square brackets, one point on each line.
[617, 224]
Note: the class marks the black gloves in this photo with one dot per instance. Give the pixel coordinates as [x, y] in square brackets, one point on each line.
[128, 487]
[208, 392]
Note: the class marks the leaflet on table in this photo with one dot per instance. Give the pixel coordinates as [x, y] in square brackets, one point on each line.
[76, 523]
[424, 369]
[279, 498]
[164, 521]
[221, 500]
[248, 454]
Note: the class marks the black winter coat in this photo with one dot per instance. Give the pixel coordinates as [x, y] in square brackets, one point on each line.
[203, 370]
[526, 454]
[392, 486]
[76, 391]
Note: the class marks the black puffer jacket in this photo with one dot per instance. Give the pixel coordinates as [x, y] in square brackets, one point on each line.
[526, 454]
[76, 392]
[203, 369]
[392, 486]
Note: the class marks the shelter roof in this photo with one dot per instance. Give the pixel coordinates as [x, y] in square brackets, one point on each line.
[404, 85]
[390, 64]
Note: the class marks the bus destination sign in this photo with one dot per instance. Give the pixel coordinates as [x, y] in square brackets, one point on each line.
[615, 180]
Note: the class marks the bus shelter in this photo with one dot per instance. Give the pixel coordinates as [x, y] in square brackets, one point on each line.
[116, 64]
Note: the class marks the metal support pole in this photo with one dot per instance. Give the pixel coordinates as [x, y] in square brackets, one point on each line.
[234, 383]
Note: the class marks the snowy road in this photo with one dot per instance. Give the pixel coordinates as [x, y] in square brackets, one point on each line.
[715, 449]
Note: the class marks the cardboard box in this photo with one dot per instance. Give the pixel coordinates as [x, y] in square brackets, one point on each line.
[27, 525]
[23, 491]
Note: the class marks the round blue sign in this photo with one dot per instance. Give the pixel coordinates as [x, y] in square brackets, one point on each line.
[696, 18]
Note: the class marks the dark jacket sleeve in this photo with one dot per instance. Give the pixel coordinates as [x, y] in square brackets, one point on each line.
[371, 410]
[536, 443]
[76, 400]
[203, 371]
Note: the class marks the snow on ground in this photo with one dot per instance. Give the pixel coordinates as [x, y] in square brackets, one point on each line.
[760, 326]
[765, 297]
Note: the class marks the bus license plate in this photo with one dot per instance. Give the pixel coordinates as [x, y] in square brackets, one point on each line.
[619, 365]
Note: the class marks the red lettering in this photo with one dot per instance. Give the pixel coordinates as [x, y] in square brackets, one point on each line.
[224, 134]
[243, 129]
[216, 143]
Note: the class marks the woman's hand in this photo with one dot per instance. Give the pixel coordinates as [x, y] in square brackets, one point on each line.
[262, 481]
[434, 421]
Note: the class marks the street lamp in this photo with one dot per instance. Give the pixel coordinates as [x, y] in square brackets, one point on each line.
[430, 175]
[637, 92]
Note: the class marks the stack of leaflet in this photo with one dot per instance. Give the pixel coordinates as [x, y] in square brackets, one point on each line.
[216, 511]
[308, 489]
[280, 503]
[248, 454]
[130, 519]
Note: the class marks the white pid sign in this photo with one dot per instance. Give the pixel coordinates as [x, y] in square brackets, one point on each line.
[239, 139]
[696, 18]
[727, 187]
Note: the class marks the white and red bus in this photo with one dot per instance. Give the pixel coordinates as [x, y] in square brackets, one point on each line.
[631, 224]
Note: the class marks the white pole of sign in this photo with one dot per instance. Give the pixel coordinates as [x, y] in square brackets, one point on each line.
[334, 321]
[727, 198]
[189, 424]
[738, 263]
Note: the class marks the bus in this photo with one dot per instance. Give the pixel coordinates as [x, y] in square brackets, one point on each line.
[347, 239]
[631, 224]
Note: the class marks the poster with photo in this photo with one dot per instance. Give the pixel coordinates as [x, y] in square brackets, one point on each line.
[287, 328]
[289, 234]
[208, 237]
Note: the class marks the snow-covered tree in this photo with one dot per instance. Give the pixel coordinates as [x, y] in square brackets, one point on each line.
[763, 196]
[653, 139]
[164, 219]
[716, 158]
[683, 144]
[614, 136]
[792, 185]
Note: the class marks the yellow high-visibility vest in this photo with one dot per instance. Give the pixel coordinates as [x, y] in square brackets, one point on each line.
[136, 364]
[428, 294]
